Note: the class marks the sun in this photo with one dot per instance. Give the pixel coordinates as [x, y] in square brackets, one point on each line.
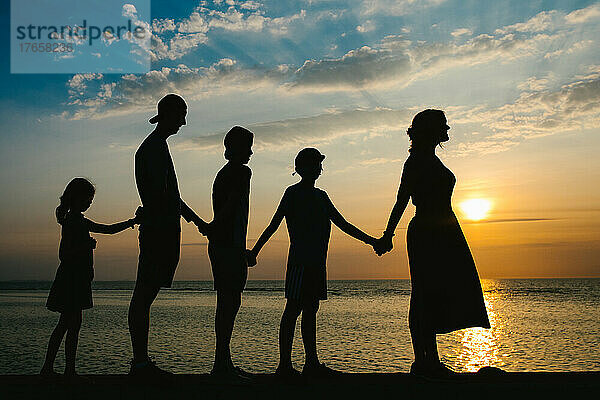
[476, 209]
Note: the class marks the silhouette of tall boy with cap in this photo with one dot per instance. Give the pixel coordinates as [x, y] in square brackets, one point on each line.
[160, 227]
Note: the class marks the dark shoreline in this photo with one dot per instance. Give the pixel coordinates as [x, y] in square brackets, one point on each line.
[369, 386]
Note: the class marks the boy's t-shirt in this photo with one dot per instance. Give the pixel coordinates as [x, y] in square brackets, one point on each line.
[307, 212]
[157, 183]
[232, 184]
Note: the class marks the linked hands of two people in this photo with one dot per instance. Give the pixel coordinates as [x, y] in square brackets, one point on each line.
[380, 246]
[383, 244]
[203, 227]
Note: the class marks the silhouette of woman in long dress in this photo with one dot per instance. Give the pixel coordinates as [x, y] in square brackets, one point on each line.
[446, 293]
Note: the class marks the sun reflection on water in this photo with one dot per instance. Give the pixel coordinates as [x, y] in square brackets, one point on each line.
[479, 346]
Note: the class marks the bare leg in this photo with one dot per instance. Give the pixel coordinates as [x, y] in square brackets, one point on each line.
[309, 332]
[431, 351]
[286, 333]
[73, 326]
[423, 340]
[228, 305]
[139, 319]
[54, 343]
[416, 334]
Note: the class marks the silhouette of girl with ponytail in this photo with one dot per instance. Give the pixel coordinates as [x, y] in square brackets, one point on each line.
[71, 291]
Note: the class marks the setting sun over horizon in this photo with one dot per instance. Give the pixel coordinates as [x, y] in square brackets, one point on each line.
[476, 209]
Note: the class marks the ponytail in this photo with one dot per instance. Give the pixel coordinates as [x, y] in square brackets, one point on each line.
[61, 210]
[76, 188]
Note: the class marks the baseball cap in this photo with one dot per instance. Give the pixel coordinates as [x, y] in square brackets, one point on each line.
[168, 104]
[308, 156]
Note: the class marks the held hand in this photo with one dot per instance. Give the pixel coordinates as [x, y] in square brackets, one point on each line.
[383, 245]
[139, 215]
[203, 227]
[209, 229]
[250, 258]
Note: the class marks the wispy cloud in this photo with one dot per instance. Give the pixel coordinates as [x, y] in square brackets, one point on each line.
[461, 32]
[498, 220]
[367, 26]
[363, 67]
[314, 130]
[380, 160]
[396, 7]
[92, 98]
[584, 15]
[535, 113]
[172, 40]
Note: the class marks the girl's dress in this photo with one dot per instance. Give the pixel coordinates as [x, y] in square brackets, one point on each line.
[72, 286]
[446, 292]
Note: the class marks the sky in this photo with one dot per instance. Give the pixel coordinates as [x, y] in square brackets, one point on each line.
[519, 82]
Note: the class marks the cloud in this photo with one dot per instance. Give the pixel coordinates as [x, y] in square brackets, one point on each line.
[357, 68]
[368, 26]
[239, 21]
[178, 46]
[132, 93]
[185, 36]
[250, 5]
[488, 221]
[79, 82]
[570, 50]
[379, 161]
[314, 130]
[461, 32]
[396, 7]
[534, 84]
[583, 15]
[395, 60]
[163, 25]
[172, 40]
[485, 146]
[195, 23]
[543, 21]
[535, 113]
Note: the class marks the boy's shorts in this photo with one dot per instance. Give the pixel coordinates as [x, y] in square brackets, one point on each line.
[229, 267]
[159, 255]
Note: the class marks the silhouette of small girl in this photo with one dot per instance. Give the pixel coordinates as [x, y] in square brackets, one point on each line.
[71, 291]
[308, 212]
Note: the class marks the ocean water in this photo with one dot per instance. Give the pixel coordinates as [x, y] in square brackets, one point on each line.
[537, 325]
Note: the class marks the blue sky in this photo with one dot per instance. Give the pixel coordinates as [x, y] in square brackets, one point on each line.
[519, 81]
